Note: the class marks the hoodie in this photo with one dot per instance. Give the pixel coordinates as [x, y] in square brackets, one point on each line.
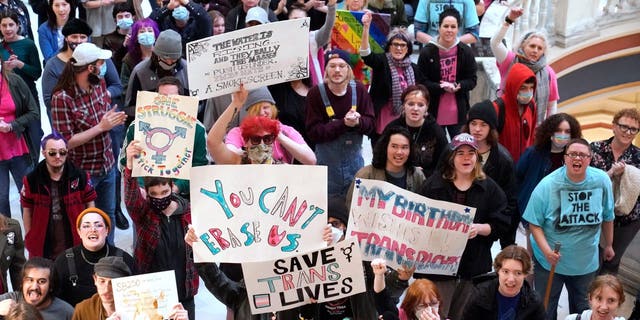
[518, 131]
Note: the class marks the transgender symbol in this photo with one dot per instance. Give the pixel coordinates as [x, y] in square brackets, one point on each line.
[149, 132]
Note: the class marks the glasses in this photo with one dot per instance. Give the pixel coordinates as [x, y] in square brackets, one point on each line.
[267, 139]
[578, 155]
[53, 153]
[399, 45]
[87, 226]
[626, 128]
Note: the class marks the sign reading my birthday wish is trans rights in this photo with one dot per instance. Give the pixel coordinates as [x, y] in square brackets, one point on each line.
[165, 126]
[324, 275]
[256, 57]
[407, 229]
[248, 213]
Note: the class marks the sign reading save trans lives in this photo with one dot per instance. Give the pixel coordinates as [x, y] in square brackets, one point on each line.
[256, 57]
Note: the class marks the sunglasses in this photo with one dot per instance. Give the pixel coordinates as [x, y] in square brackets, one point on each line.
[53, 153]
[266, 139]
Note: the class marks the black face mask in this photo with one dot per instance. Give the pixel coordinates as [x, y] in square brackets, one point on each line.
[159, 204]
[94, 79]
[73, 45]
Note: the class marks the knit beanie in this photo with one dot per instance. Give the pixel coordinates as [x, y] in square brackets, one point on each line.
[84, 212]
[261, 94]
[74, 26]
[338, 53]
[484, 111]
[168, 45]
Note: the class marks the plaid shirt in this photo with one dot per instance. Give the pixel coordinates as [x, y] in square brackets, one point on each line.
[78, 111]
[148, 231]
[603, 159]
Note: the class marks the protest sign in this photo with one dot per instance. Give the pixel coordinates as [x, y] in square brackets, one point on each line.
[347, 35]
[258, 56]
[145, 296]
[408, 229]
[165, 126]
[325, 275]
[244, 213]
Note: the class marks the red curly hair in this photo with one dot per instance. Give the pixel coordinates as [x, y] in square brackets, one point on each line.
[251, 126]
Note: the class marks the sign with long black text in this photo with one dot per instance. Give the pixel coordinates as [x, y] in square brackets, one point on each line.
[257, 56]
[325, 275]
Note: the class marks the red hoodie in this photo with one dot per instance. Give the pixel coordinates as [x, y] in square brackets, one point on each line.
[518, 131]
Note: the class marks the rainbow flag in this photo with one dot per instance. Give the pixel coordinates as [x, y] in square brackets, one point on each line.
[347, 34]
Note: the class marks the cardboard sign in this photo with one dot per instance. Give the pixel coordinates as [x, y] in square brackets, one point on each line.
[257, 56]
[166, 126]
[145, 296]
[325, 275]
[245, 213]
[407, 229]
[347, 35]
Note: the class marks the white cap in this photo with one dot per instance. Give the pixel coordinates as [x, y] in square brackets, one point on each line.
[86, 53]
[257, 14]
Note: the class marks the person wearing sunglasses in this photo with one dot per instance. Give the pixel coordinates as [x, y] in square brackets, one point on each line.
[615, 155]
[569, 213]
[54, 195]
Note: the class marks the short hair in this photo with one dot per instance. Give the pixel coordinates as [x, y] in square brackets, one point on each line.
[416, 293]
[413, 88]
[379, 160]
[401, 34]
[254, 109]
[530, 80]
[53, 136]
[531, 35]
[251, 125]
[156, 181]
[549, 126]
[170, 81]
[23, 311]
[297, 6]
[123, 7]
[450, 11]
[514, 252]
[610, 281]
[632, 113]
[40, 263]
[577, 141]
[11, 14]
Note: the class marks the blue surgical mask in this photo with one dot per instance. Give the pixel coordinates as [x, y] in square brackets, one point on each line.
[103, 70]
[524, 97]
[146, 39]
[180, 13]
[560, 140]
[125, 23]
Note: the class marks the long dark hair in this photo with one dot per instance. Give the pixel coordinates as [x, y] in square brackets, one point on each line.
[51, 20]
[67, 79]
[379, 160]
[548, 127]
[8, 13]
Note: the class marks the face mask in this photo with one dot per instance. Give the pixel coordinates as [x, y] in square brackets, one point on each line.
[180, 13]
[125, 23]
[560, 140]
[146, 39]
[73, 45]
[524, 97]
[103, 70]
[260, 153]
[336, 234]
[94, 79]
[159, 204]
[166, 66]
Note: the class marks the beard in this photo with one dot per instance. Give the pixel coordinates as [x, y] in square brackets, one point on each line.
[94, 79]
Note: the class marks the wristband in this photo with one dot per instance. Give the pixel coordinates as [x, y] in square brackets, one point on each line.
[507, 20]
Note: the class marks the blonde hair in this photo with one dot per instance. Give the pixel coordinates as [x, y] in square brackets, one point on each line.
[254, 109]
[365, 4]
[531, 35]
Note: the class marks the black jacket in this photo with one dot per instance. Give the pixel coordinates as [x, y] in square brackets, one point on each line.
[429, 142]
[490, 202]
[381, 79]
[484, 305]
[501, 169]
[466, 67]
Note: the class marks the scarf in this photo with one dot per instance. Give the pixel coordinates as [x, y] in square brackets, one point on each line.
[396, 85]
[539, 68]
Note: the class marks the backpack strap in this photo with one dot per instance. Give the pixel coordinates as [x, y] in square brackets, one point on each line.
[71, 263]
[578, 316]
[119, 252]
[500, 111]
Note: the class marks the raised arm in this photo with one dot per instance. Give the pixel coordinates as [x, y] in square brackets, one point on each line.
[215, 139]
[323, 35]
[499, 49]
[365, 50]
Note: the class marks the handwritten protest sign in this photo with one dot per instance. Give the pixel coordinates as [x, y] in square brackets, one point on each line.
[166, 126]
[405, 228]
[145, 296]
[347, 34]
[324, 275]
[258, 56]
[580, 208]
[244, 213]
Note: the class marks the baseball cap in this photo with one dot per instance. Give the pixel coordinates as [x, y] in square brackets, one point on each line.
[461, 140]
[86, 53]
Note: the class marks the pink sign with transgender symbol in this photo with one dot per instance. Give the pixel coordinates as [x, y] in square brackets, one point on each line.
[166, 127]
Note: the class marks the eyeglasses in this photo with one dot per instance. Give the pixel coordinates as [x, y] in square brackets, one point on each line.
[626, 128]
[578, 155]
[266, 139]
[53, 153]
[399, 45]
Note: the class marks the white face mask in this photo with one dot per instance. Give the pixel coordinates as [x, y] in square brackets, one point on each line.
[336, 234]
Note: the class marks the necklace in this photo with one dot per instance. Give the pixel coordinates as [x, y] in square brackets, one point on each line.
[93, 263]
[414, 135]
